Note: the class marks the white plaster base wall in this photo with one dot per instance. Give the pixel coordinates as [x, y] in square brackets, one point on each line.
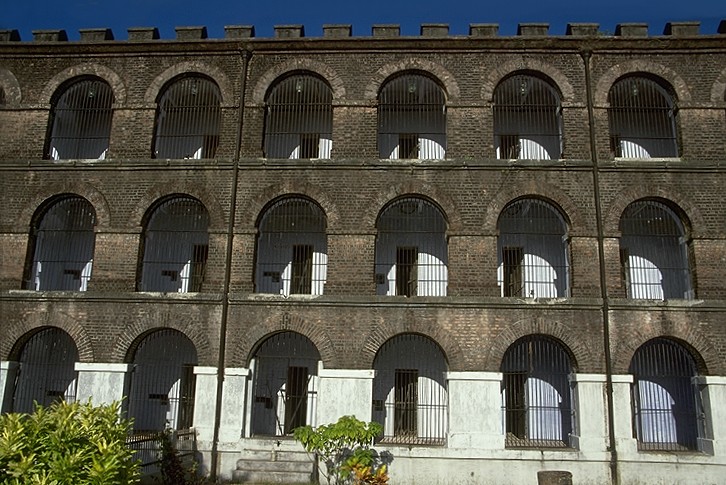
[344, 392]
[661, 469]
[102, 383]
[470, 394]
[8, 372]
[205, 400]
[234, 395]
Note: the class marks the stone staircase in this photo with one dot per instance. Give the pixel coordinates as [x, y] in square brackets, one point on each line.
[273, 461]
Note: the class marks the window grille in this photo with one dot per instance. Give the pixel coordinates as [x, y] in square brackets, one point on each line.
[654, 252]
[527, 119]
[668, 413]
[61, 244]
[188, 119]
[410, 391]
[533, 251]
[285, 384]
[2, 96]
[46, 372]
[411, 118]
[80, 121]
[411, 249]
[292, 248]
[161, 394]
[176, 246]
[642, 119]
[537, 406]
[299, 121]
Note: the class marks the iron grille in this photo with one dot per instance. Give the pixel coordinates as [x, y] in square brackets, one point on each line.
[81, 121]
[642, 119]
[527, 119]
[411, 118]
[299, 121]
[533, 250]
[61, 244]
[292, 248]
[47, 370]
[536, 397]
[176, 246]
[411, 249]
[654, 252]
[188, 119]
[668, 414]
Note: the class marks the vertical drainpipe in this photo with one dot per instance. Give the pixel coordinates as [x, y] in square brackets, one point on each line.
[245, 54]
[615, 476]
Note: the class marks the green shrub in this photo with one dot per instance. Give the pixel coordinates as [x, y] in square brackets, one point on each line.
[66, 444]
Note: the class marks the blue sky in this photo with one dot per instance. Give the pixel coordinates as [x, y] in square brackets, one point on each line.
[71, 15]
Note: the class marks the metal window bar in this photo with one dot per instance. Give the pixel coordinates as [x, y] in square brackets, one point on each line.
[62, 242]
[411, 249]
[527, 119]
[188, 119]
[299, 118]
[533, 246]
[292, 248]
[176, 247]
[81, 121]
[410, 391]
[666, 410]
[46, 372]
[654, 252]
[537, 409]
[411, 118]
[642, 119]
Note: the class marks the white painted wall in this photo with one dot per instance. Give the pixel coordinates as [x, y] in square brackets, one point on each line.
[102, 383]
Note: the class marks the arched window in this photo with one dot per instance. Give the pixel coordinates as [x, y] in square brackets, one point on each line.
[292, 250]
[536, 396]
[299, 118]
[533, 250]
[161, 394]
[654, 252]
[410, 394]
[80, 120]
[175, 247]
[188, 117]
[60, 252]
[411, 118]
[527, 119]
[642, 119]
[667, 408]
[411, 249]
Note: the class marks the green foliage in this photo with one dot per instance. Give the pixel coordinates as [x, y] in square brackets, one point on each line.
[66, 444]
[173, 470]
[345, 448]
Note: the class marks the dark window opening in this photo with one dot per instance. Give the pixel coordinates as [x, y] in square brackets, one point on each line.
[513, 259]
[406, 271]
[309, 145]
[200, 252]
[406, 402]
[408, 145]
[302, 269]
[296, 398]
[508, 146]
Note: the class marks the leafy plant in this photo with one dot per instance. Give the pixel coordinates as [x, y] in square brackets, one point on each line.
[173, 470]
[66, 443]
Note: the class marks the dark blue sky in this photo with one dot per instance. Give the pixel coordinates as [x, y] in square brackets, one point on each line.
[71, 15]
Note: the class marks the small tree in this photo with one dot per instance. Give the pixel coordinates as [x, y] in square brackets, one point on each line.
[66, 443]
[345, 448]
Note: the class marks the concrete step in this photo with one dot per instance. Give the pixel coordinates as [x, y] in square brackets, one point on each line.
[244, 476]
[273, 466]
[275, 455]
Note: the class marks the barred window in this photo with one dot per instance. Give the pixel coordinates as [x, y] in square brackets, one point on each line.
[527, 119]
[80, 120]
[188, 118]
[654, 252]
[533, 250]
[299, 118]
[292, 248]
[411, 249]
[60, 252]
[411, 118]
[537, 408]
[642, 118]
[175, 247]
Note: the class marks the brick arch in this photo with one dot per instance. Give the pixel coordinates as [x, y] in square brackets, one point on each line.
[191, 67]
[88, 69]
[442, 75]
[303, 64]
[532, 64]
[11, 87]
[214, 208]
[70, 187]
[247, 345]
[17, 333]
[645, 66]
[718, 91]
[582, 355]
